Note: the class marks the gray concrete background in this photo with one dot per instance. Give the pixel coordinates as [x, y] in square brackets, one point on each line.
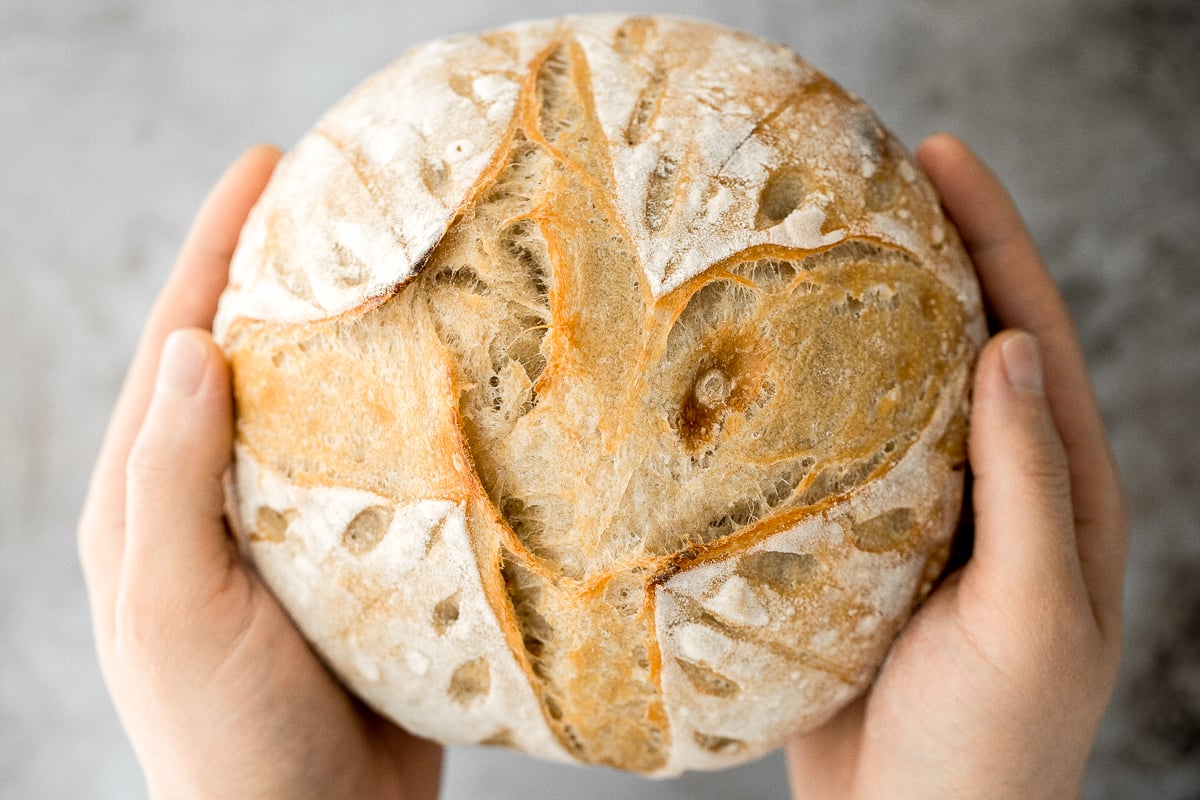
[116, 116]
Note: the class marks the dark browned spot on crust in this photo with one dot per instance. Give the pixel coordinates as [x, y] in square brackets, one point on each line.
[631, 38]
[646, 108]
[660, 193]
[367, 529]
[886, 531]
[728, 378]
[470, 682]
[706, 680]
[783, 573]
[718, 745]
[445, 613]
[269, 525]
[501, 738]
[782, 194]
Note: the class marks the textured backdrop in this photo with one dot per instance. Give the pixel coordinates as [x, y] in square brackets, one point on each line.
[116, 117]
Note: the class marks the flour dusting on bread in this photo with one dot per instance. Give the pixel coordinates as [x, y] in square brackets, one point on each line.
[602, 391]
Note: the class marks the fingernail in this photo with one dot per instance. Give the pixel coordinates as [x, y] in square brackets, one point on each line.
[1023, 364]
[181, 366]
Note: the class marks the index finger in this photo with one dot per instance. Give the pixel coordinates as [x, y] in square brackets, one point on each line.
[189, 299]
[1021, 294]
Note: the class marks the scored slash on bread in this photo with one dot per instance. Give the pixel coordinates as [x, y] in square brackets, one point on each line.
[601, 391]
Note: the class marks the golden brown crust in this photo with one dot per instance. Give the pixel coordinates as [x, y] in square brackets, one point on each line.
[688, 359]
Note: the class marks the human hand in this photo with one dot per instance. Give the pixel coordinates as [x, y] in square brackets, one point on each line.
[997, 687]
[218, 692]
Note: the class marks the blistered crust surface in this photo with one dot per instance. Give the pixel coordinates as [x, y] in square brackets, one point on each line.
[648, 327]
[399, 157]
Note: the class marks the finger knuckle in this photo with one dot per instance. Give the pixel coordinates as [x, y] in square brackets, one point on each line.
[147, 465]
[1046, 465]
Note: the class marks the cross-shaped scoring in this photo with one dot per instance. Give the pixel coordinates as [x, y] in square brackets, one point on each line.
[603, 437]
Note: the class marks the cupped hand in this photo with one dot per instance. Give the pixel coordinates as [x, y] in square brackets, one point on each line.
[997, 687]
[218, 692]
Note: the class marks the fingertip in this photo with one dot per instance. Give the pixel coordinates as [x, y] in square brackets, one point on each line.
[246, 175]
[950, 163]
[188, 362]
[264, 155]
[1023, 364]
[938, 145]
[191, 408]
[945, 158]
[1011, 365]
[182, 364]
[267, 148]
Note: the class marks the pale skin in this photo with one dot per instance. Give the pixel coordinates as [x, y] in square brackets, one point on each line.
[996, 688]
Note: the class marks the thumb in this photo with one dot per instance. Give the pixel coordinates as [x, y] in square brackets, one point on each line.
[1024, 524]
[176, 540]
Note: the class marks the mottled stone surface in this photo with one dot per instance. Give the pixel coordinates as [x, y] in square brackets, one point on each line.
[117, 116]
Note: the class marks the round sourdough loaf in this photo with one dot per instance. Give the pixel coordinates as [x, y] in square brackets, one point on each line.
[601, 391]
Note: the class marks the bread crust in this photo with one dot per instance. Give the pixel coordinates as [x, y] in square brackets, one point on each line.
[542, 438]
